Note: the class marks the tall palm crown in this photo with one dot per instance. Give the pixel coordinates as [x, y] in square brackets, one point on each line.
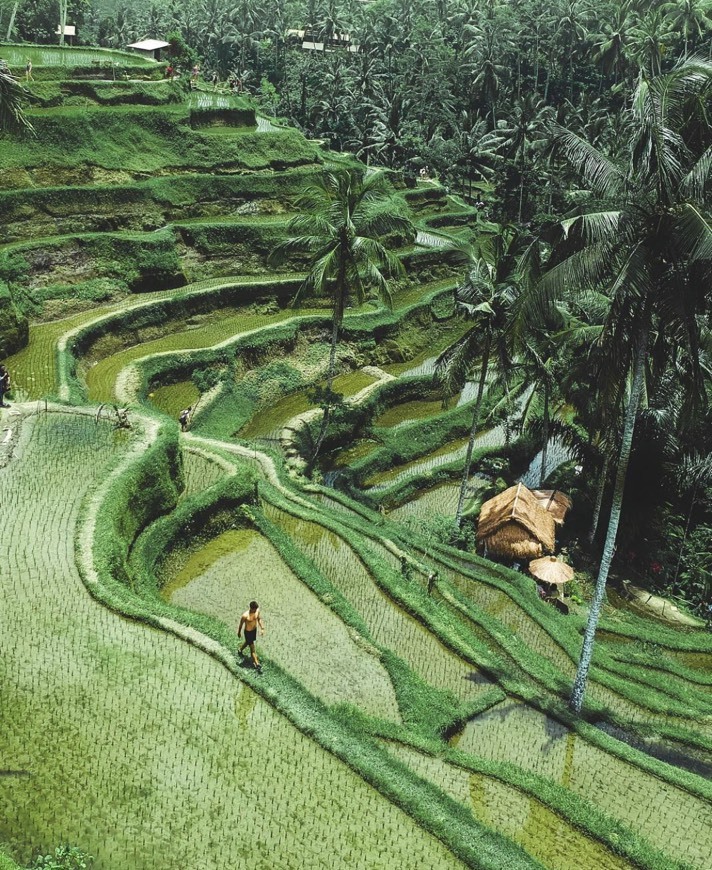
[485, 297]
[647, 237]
[648, 241]
[343, 219]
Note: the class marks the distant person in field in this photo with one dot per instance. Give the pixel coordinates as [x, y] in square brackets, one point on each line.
[4, 385]
[215, 80]
[194, 76]
[251, 619]
[28, 71]
[184, 418]
[170, 72]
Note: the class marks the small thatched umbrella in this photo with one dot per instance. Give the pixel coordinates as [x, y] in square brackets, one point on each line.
[551, 570]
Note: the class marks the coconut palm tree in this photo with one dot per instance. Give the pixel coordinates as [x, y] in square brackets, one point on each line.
[650, 38]
[12, 118]
[649, 241]
[343, 221]
[692, 18]
[522, 134]
[485, 297]
[613, 42]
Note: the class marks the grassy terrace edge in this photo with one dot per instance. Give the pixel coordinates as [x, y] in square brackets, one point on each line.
[112, 520]
[237, 494]
[567, 638]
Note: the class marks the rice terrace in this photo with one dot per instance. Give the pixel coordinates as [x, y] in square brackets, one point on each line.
[251, 359]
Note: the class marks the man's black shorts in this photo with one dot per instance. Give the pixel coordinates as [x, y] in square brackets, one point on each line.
[250, 635]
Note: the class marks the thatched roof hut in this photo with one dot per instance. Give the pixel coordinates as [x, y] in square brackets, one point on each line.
[513, 525]
[557, 503]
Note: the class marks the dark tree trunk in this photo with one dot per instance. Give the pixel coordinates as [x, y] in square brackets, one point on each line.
[338, 316]
[599, 500]
[545, 434]
[686, 532]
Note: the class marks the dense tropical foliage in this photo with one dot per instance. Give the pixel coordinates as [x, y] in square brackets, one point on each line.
[465, 87]
[648, 242]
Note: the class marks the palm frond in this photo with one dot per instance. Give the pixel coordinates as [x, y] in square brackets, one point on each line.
[315, 224]
[455, 363]
[695, 233]
[694, 184]
[298, 245]
[576, 274]
[322, 270]
[598, 172]
[593, 226]
[12, 96]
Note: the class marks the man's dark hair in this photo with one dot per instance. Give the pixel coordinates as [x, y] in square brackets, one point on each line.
[254, 605]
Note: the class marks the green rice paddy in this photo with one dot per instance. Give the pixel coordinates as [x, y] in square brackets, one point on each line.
[396, 724]
[240, 565]
[446, 453]
[18, 55]
[408, 412]
[173, 398]
[268, 423]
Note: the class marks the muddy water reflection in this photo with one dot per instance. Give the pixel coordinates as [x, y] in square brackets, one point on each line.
[673, 820]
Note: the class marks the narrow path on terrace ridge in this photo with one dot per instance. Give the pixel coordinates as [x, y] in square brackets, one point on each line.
[666, 815]
[145, 727]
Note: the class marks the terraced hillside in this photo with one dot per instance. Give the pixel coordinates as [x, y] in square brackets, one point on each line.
[412, 709]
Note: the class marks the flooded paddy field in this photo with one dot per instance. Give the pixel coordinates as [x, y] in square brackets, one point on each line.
[411, 710]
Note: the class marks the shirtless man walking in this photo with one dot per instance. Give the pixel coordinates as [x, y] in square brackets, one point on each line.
[251, 619]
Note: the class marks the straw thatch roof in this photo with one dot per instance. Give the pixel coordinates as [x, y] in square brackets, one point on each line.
[557, 503]
[551, 570]
[514, 526]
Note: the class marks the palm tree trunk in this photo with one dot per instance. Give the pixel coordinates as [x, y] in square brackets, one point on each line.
[12, 21]
[685, 533]
[508, 412]
[545, 434]
[473, 433]
[340, 292]
[599, 500]
[331, 371]
[62, 19]
[579, 686]
[519, 75]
